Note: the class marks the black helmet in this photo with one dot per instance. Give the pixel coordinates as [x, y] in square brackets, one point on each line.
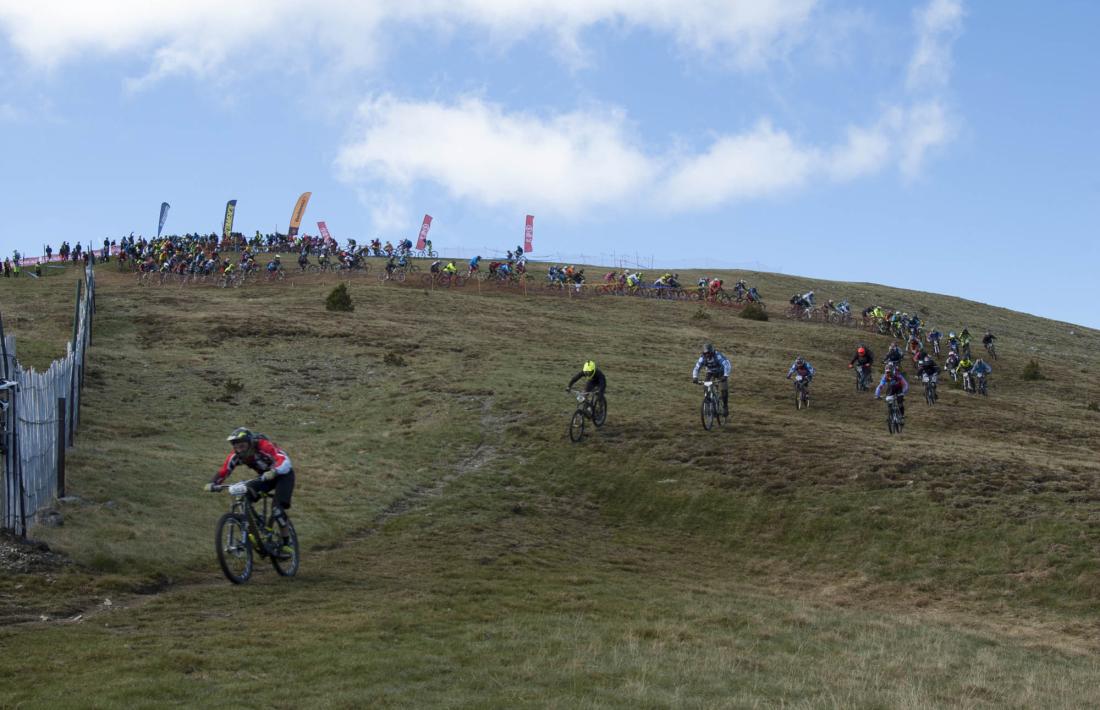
[708, 349]
[240, 434]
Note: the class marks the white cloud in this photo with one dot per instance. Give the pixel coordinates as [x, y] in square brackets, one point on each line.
[938, 24]
[583, 160]
[196, 36]
[568, 162]
[759, 162]
[922, 128]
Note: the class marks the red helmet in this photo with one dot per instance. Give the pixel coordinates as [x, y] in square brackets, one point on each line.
[862, 351]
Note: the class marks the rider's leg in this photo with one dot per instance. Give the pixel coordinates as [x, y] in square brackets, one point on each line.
[725, 396]
[284, 489]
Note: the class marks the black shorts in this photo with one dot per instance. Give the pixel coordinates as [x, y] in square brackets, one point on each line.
[283, 485]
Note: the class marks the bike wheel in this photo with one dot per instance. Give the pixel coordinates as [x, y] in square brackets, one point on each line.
[234, 549]
[599, 412]
[576, 426]
[798, 399]
[288, 568]
[708, 413]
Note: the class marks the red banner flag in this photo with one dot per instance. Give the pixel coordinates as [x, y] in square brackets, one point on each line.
[529, 234]
[323, 229]
[424, 231]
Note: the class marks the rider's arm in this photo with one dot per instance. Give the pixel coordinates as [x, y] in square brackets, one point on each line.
[727, 367]
[881, 384]
[904, 384]
[575, 378]
[226, 469]
[695, 370]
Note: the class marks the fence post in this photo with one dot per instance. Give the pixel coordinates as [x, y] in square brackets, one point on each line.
[3, 351]
[60, 447]
[17, 464]
[76, 312]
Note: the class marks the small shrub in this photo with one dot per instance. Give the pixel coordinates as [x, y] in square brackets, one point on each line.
[395, 359]
[754, 311]
[1031, 371]
[339, 299]
[1093, 406]
[233, 386]
[700, 314]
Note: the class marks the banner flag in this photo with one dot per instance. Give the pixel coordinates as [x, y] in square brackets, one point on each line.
[227, 226]
[163, 216]
[424, 231]
[529, 234]
[298, 213]
[323, 229]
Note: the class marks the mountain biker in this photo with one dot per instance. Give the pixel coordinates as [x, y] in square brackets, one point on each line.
[435, 267]
[802, 367]
[261, 455]
[934, 338]
[981, 368]
[893, 355]
[964, 367]
[864, 358]
[473, 264]
[964, 340]
[595, 379]
[894, 383]
[718, 367]
[450, 269]
[988, 338]
[928, 367]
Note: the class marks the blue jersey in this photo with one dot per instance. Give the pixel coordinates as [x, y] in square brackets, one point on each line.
[807, 370]
[719, 365]
[899, 383]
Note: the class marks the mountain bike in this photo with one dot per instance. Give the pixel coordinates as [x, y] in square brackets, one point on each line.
[894, 420]
[590, 407]
[396, 274]
[801, 392]
[711, 410]
[443, 280]
[930, 395]
[980, 385]
[863, 376]
[991, 348]
[246, 529]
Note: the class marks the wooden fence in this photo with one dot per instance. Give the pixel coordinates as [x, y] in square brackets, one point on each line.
[40, 414]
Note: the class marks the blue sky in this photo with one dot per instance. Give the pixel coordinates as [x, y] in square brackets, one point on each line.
[941, 145]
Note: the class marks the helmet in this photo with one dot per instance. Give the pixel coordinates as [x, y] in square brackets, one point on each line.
[276, 257]
[589, 368]
[708, 349]
[240, 434]
[951, 334]
[891, 369]
[862, 350]
[799, 361]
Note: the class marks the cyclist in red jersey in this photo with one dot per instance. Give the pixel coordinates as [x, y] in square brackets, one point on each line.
[276, 473]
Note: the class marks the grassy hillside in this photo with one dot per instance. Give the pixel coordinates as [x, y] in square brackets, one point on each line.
[460, 551]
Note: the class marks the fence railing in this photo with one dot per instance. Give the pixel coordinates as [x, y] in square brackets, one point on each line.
[41, 411]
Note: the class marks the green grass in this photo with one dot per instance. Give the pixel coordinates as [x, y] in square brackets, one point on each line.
[458, 551]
